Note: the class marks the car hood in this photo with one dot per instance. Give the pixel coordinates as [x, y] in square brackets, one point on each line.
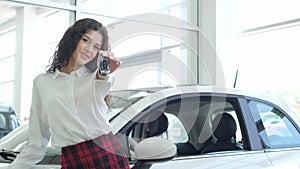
[13, 139]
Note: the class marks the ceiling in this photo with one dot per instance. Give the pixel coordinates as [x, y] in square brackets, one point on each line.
[7, 11]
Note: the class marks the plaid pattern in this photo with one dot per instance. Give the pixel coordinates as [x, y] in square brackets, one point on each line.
[104, 152]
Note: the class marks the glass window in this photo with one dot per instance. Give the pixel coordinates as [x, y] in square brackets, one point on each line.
[269, 63]
[6, 93]
[194, 124]
[267, 48]
[217, 109]
[14, 122]
[176, 131]
[147, 51]
[276, 129]
[2, 122]
[7, 66]
[255, 13]
[38, 26]
[238, 134]
[55, 2]
[190, 124]
[34, 30]
[179, 8]
[274, 55]
[47, 39]
[7, 42]
[58, 20]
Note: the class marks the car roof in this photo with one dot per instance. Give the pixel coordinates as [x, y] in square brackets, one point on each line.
[185, 89]
[6, 109]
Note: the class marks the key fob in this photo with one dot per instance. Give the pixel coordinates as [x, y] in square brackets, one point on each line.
[104, 68]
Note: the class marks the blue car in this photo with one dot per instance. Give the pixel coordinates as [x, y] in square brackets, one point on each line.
[8, 120]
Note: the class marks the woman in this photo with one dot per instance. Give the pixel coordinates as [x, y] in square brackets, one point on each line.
[68, 104]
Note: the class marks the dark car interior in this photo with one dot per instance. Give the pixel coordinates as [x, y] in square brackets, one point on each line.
[224, 129]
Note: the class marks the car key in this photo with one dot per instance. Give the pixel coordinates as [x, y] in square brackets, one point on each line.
[104, 67]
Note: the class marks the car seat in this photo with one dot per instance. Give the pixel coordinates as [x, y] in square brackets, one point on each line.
[224, 129]
[157, 126]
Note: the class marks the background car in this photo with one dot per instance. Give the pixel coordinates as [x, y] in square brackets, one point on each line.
[8, 120]
[194, 127]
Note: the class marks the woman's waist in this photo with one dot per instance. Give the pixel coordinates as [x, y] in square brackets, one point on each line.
[69, 137]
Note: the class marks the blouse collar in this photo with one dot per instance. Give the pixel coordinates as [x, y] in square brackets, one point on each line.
[79, 72]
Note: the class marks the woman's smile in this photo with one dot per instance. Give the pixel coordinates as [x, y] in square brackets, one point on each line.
[85, 55]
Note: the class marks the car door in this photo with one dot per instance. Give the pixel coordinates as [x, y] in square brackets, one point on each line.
[220, 160]
[195, 113]
[279, 133]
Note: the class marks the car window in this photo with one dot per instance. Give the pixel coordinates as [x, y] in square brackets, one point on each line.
[190, 124]
[14, 121]
[222, 125]
[238, 133]
[176, 131]
[3, 122]
[275, 128]
[117, 101]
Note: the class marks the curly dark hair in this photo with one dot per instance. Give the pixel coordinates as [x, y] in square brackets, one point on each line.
[70, 39]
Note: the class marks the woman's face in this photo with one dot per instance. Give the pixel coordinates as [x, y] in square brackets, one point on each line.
[87, 48]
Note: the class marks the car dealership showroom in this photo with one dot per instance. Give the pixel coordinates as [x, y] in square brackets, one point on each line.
[160, 84]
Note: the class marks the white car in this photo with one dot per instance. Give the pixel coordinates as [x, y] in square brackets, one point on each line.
[193, 127]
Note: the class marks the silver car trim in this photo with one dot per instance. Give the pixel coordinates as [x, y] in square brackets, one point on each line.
[218, 154]
[282, 149]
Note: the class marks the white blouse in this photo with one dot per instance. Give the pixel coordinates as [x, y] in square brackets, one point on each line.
[70, 107]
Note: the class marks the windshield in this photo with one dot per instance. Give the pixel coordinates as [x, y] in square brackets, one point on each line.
[118, 101]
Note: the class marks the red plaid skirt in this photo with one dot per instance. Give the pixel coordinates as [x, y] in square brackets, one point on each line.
[104, 152]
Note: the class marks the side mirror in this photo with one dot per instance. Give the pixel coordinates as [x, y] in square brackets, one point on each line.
[155, 148]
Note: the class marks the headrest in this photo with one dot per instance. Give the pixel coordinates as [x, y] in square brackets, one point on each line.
[157, 126]
[224, 127]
